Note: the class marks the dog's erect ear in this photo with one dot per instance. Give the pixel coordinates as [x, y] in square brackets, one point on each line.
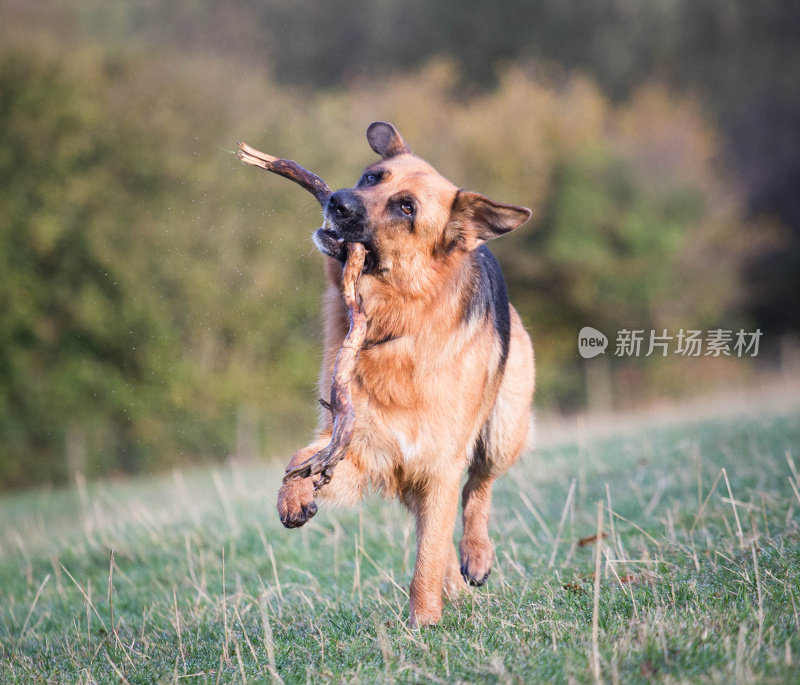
[474, 219]
[385, 140]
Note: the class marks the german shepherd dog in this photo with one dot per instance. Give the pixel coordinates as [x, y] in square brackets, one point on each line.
[444, 382]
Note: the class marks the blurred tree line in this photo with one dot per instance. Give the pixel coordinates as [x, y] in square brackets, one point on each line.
[159, 301]
[740, 57]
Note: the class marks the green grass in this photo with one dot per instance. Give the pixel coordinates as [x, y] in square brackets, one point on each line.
[699, 582]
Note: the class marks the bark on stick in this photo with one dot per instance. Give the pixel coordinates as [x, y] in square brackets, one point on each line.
[323, 462]
[286, 168]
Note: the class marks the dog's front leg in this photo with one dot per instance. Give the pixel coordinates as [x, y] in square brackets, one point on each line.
[296, 499]
[435, 509]
[296, 503]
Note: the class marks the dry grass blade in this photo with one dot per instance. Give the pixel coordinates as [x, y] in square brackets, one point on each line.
[30, 611]
[596, 603]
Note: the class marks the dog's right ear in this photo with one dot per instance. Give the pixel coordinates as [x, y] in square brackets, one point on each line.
[386, 141]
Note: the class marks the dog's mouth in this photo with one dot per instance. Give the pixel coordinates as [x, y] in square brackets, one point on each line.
[332, 243]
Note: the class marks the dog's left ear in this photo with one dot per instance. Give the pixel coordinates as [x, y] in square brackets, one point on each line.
[474, 219]
[386, 140]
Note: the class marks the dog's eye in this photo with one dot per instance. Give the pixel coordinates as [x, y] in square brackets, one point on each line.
[369, 179]
[407, 208]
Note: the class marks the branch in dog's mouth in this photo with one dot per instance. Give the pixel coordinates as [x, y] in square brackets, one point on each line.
[286, 168]
[323, 462]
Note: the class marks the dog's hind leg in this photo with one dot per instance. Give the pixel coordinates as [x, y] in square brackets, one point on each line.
[454, 583]
[501, 441]
[476, 549]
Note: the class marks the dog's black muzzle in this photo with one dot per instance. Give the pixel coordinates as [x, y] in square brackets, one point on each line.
[345, 218]
[346, 213]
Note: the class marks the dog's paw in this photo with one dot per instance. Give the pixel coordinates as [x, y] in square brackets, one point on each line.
[425, 615]
[296, 503]
[476, 560]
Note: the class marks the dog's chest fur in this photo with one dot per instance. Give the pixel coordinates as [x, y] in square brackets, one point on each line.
[413, 391]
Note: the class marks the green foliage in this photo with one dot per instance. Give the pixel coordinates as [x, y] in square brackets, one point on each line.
[160, 300]
[739, 56]
[634, 227]
[118, 329]
[700, 573]
[81, 339]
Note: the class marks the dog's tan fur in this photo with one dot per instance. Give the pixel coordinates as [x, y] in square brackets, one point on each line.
[431, 395]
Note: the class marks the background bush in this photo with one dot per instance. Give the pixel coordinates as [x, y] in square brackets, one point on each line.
[159, 301]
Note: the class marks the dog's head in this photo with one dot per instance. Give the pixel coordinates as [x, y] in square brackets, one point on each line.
[408, 215]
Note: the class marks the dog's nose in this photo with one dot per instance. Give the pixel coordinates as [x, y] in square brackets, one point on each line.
[343, 205]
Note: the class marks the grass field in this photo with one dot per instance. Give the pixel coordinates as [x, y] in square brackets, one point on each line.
[190, 578]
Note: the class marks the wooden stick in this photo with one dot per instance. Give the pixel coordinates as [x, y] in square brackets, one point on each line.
[286, 168]
[323, 462]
